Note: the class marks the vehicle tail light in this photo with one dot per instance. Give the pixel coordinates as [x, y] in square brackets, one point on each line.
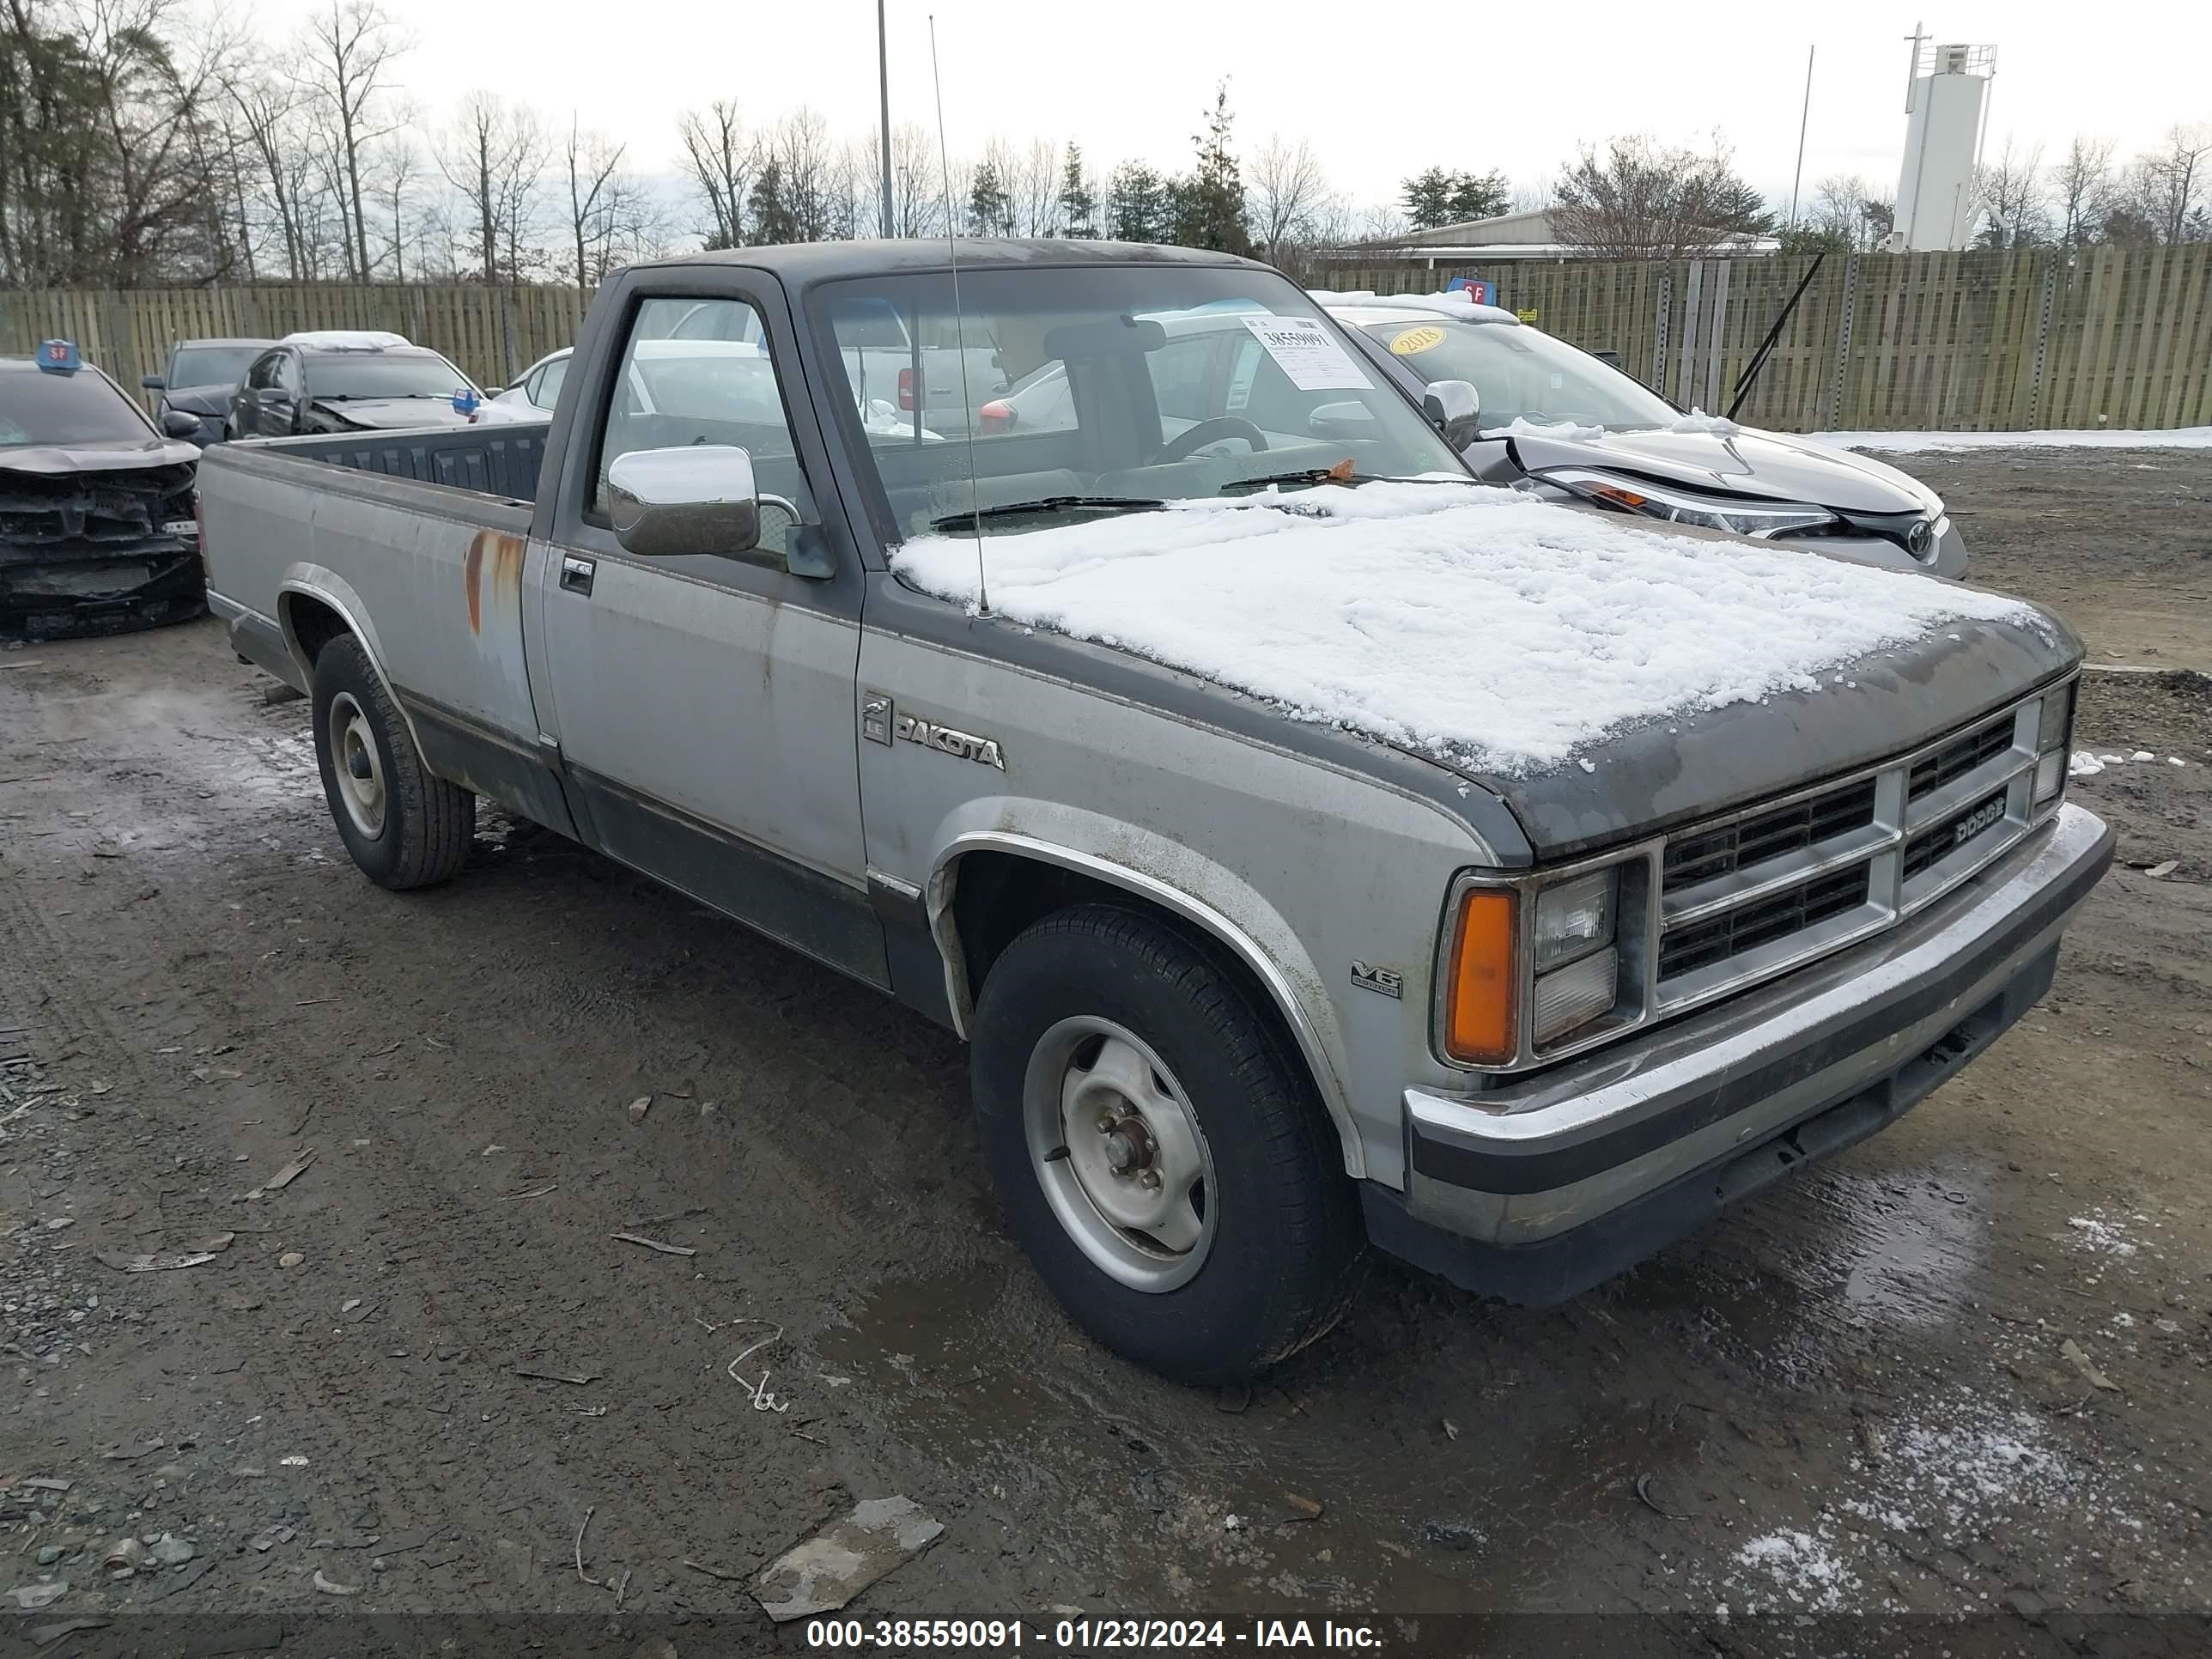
[997, 416]
[1480, 1019]
[906, 398]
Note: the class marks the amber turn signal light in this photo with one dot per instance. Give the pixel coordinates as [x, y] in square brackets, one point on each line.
[1480, 1020]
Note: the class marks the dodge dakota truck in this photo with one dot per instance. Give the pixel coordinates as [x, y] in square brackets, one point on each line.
[1316, 848]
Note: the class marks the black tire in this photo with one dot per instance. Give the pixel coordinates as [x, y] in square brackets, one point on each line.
[426, 823]
[1287, 1242]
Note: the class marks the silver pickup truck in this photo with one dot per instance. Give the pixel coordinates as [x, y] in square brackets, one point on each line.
[1314, 846]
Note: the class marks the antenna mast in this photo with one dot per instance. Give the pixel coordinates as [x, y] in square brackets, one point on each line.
[959, 324]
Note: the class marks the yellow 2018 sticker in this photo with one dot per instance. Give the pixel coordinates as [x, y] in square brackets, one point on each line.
[1417, 339]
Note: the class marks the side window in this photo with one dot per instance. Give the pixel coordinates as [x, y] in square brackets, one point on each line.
[713, 385]
[263, 374]
[289, 372]
[546, 391]
[1179, 375]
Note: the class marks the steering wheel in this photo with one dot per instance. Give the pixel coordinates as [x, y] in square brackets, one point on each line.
[1184, 445]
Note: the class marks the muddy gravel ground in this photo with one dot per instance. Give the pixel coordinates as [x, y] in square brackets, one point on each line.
[1960, 1370]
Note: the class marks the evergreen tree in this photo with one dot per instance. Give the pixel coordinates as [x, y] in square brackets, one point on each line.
[988, 205]
[1439, 197]
[1209, 210]
[1427, 198]
[1483, 195]
[773, 218]
[1078, 204]
[1137, 204]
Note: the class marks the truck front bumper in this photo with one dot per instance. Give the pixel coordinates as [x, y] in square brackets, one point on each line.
[1540, 1188]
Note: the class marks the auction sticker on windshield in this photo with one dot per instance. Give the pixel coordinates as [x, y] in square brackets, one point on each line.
[1309, 353]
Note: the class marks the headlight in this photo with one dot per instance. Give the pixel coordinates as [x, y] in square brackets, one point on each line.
[1531, 961]
[1575, 918]
[1679, 506]
[2054, 733]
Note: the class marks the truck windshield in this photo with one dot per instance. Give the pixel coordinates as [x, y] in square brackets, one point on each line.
[365, 374]
[1085, 389]
[64, 409]
[1521, 374]
[211, 365]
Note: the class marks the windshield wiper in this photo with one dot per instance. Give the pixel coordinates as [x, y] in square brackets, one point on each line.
[1312, 475]
[1049, 504]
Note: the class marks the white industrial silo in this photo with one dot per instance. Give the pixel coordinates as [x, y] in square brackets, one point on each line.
[1947, 107]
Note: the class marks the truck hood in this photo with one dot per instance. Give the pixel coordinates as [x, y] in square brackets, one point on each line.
[1772, 465]
[1601, 677]
[107, 455]
[390, 414]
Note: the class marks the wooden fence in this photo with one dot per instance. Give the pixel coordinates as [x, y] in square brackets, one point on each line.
[2001, 340]
[1969, 341]
[493, 333]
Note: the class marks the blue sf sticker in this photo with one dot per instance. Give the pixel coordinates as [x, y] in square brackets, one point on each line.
[59, 356]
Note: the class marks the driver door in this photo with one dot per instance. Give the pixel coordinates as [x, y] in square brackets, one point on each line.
[703, 703]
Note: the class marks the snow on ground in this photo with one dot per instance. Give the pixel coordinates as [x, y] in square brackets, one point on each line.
[1951, 1467]
[1474, 623]
[1912, 443]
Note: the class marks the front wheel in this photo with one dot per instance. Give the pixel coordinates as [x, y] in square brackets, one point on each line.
[405, 826]
[1159, 1148]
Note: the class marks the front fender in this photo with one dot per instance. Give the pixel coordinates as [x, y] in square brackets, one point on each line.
[1186, 883]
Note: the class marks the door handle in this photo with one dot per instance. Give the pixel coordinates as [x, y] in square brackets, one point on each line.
[576, 573]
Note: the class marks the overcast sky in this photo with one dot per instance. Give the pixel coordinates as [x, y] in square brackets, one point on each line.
[1380, 91]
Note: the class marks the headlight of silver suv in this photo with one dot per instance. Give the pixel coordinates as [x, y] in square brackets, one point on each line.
[1679, 506]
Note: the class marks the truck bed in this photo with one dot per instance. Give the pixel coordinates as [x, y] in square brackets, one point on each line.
[489, 460]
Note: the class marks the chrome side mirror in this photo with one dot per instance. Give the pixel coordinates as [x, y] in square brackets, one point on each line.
[698, 499]
[1454, 408]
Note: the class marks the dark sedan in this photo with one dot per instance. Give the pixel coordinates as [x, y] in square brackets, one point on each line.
[198, 379]
[97, 526]
[333, 384]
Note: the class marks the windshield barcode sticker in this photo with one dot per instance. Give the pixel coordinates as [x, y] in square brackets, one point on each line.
[1309, 353]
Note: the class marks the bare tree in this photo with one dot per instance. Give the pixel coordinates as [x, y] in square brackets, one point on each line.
[917, 191]
[592, 164]
[808, 176]
[494, 156]
[1285, 194]
[1641, 200]
[398, 180]
[2014, 198]
[2082, 181]
[721, 160]
[2166, 184]
[1031, 178]
[347, 50]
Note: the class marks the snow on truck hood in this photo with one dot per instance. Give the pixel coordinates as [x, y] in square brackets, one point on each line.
[1499, 633]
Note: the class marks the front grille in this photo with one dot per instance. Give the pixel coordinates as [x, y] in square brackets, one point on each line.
[1761, 923]
[1958, 758]
[1720, 852]
[1750, 896]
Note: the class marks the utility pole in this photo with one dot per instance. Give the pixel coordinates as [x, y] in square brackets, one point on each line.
[1804, 117]
[884, 92]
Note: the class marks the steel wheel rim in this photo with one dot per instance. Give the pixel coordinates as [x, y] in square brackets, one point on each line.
[358, 765]
[1119, 1154]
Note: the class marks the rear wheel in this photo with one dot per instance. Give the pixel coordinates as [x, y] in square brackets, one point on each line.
[1159, 1148]
[404, 826]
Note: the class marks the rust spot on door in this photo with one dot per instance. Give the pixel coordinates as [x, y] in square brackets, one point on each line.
[503, 553]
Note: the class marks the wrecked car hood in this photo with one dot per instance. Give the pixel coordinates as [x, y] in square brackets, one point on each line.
[391, 413]
[1745, 462]
[108, 455]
